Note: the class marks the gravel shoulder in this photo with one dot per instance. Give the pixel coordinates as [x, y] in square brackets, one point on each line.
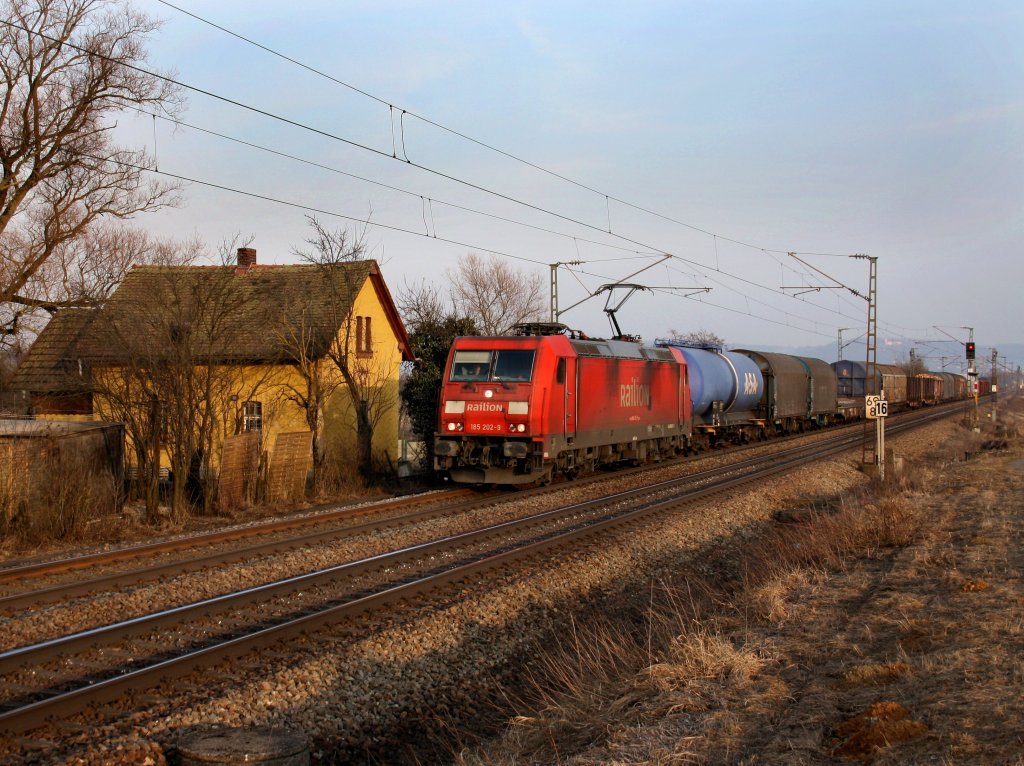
[906, 654]
[397, 690]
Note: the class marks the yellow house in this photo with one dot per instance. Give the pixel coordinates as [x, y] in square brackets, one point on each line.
[189, 356]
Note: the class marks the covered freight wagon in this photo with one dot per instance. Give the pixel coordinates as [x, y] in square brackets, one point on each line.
[954, 386]
[822, 388]
[850, 379]
[792, 389]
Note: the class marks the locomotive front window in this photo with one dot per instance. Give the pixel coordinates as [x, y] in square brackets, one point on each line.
[471, 365]
[513, 365]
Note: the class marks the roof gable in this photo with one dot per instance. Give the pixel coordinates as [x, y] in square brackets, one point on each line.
[55, 363]
[227, 313]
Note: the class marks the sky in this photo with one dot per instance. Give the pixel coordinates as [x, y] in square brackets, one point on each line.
[722, 134]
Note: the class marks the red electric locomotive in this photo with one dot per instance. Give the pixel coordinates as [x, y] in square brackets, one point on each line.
[522, 408]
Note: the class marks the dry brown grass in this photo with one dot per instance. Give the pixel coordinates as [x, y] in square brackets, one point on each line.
[66, 499]
[790, 649]
[883, 724]
[691, 656]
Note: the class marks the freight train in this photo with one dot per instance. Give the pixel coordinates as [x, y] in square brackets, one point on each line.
[550, 401]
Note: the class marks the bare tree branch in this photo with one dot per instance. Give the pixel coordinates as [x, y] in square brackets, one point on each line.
[66, 69]
[494, 295]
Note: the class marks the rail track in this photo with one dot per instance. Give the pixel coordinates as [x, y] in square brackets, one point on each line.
[54, 679]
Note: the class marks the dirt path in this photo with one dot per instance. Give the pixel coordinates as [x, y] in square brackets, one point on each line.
[926, 647]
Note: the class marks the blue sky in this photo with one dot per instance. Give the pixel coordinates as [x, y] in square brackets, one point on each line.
[819, 127]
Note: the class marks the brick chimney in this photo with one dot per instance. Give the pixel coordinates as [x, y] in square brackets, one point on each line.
[246, 257]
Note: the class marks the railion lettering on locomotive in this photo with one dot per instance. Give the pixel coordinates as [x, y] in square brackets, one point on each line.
[635, 394]
[483, 407]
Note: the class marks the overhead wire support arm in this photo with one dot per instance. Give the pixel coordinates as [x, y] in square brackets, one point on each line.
[596, 292]
[838, 284]
[554, 285]
[808, 289]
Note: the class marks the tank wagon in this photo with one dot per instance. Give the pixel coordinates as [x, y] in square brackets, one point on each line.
[519, 409]
[726, 389]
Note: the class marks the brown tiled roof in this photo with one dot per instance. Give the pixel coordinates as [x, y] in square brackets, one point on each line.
[229, 314]
[55, 363]
[232, 314]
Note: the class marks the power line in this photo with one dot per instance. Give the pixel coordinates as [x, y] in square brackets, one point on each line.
[456, 206]
[404, 111]
[332, 136]
[378, 152]
[696, 264]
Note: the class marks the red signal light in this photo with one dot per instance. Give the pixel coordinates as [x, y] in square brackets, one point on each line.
[970, 350]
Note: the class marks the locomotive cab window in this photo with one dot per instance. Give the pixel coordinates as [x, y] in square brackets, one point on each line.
[471, 365]
[509, 365]
[515, 365]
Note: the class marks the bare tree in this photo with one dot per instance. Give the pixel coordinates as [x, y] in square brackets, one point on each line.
[168, 373]
[420, 304]
[371, 395]
[68, 67]
[302, 343]
[698, 338]
[914, 365]
[84, 272]
[495, 295]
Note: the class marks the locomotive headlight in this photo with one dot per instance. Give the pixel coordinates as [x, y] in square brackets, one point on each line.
[488, 394]
[521, 427]
[451, 426]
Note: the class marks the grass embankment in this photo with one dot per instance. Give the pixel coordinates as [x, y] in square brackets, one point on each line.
[886, 627]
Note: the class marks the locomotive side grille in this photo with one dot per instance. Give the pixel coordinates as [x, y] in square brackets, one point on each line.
[587, 349]
[658, 353]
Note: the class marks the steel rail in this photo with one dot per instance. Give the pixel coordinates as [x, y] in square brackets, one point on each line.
[13, 659]
[171, 569]
[38, 713]
[56, 566]
[66, 591]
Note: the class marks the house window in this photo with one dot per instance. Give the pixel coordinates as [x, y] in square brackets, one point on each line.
[252, 416]
[364, 336]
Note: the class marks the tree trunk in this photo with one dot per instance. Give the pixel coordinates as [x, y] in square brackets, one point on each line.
[364, 435]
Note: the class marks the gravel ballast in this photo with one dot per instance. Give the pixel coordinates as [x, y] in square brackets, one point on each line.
[403, 674]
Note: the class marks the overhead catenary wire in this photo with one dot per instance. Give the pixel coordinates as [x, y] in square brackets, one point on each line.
[402, 230]
[407, 161]
[398, 189]
[483, 144]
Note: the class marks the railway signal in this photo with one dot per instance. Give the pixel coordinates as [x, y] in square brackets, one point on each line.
[970, 350]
